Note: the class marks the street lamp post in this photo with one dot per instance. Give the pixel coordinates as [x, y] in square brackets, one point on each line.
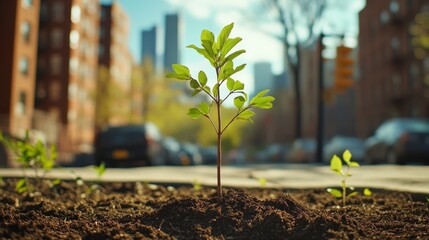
[320, 97]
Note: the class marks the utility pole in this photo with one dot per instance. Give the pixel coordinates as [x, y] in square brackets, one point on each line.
[321, 106]
[341, 80]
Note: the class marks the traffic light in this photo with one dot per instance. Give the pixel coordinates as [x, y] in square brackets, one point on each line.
[343, 76]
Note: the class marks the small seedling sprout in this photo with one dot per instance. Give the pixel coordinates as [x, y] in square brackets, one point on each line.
[31, 156]
[216, 52]
[101, 169]
[337, 167]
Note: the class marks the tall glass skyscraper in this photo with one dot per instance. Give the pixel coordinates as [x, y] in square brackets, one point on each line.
[148, 45]
[172, 35]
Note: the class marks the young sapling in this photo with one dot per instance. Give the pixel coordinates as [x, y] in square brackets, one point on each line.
[216, 51]
[31, 156]
[337, 167]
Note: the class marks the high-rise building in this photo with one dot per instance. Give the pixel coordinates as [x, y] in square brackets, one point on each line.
[19, 22]
[148, 45]
[172, 41]
[67, 65]
[263, 76]
[392, 80]
[116, 57]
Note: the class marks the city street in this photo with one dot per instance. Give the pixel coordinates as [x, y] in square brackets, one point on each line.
[411, 178]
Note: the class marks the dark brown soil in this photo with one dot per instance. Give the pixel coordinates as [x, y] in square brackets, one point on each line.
[145, 211]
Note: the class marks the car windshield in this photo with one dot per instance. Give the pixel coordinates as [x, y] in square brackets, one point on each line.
[122, 136]
[415, 125]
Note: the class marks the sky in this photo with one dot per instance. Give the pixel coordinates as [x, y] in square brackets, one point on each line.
[212, 15]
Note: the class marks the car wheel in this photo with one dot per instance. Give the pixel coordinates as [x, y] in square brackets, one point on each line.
[391, 157]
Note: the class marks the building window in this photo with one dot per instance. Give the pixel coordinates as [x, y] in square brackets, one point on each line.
[23, 65]
[25, 31]
[20, 107]
[44, 15]
[73, 65]
[384, 17]
[26, 3]
[56, 64]
[73, 90]
[55, 90]
[75, 14]
[394, 6]
[58, 11]
[57, 38]
[74, 39]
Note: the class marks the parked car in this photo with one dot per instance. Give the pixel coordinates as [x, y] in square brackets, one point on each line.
[172, 150]
[209, 155]
[190, 154]
[398, 141]
[338, 144]
[303, 150]
[274, 153]
[129, 146]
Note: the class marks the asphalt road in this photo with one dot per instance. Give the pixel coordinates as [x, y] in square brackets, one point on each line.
[411, 178]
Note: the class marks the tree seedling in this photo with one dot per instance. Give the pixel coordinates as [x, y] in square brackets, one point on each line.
[101, 169]
[216, 51]
[337, 167]
[31, 156]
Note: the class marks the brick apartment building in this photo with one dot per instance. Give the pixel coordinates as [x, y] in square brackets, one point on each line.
[115, 56]
[391, 78]
[67, 68]
[19, 20]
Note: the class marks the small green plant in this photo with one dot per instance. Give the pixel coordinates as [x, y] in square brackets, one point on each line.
[196, 185]
[216, 51]
[262, 182]
[101, 169]
[337, 167]
[31, 156]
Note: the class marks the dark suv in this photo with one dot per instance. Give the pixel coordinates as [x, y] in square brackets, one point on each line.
[129, 146]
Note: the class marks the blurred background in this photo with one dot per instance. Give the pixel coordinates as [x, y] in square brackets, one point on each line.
[89, 77]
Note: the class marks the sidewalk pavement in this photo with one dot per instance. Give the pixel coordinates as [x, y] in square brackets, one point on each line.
[409, 178]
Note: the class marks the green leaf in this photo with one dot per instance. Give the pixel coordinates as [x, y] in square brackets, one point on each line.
[226, 70]
[202, 78]
[224, 34]
[367, 192]
[194, 113]
[177, 76]
[208, 47]
[352, 194]
[181, 70]
[239, 68]
[347, 155]
[203, 52]
[265, 105]
[335, 192]
[229, 44]
[239, 102]
[195, 92]
[238, 85]
[246, 115]
[233, 55]
[204, 108]
[194, 84]
[336, 164]
[207, 89]
[208, 36]
[230, 84]
[354, 164]
[215, 90]
[260, 94]
[21, 186]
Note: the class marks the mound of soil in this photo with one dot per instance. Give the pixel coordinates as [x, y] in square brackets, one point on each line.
[72, 210]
